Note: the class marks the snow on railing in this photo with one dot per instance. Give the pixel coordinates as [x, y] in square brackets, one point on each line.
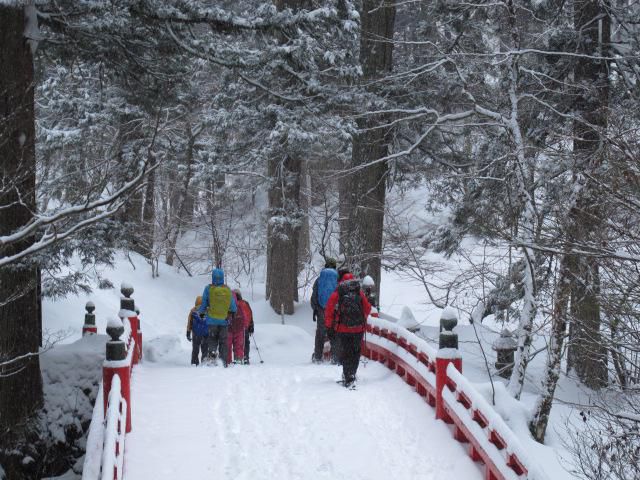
[437, 376]
[112, 415]
[114, 433]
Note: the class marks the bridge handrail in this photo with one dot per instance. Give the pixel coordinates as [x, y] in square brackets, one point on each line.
[114, 433]
[456, 400]
[496, 437]
[111, 419]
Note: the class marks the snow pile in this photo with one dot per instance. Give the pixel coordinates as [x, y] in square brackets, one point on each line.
[408, 321]
[71, 375]
[165, 349]
[449, 313]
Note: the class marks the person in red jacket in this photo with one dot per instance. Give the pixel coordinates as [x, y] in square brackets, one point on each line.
[248, 324]
[345, 318]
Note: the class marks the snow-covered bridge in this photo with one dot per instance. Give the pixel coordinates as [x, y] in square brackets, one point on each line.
[285, 421]
[414, 414]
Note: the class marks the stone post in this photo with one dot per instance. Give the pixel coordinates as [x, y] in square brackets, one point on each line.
[116, 364]
[505, 347]
[129, 310]
[89, 327]
[447, 353]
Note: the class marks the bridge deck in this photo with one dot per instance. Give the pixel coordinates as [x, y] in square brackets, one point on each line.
[285, 422]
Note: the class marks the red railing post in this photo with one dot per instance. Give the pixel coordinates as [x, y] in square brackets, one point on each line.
[447, 353]
[128, 309]
[89, 327]
[116, 363]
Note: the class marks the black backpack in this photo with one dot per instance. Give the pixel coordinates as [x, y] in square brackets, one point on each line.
[350, 309]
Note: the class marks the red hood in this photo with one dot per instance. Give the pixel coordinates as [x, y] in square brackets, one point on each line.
[347, 277]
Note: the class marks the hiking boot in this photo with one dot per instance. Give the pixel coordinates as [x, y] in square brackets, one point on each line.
[350, 385]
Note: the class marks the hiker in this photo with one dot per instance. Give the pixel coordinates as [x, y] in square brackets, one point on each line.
[323, 287]
[248, 324]
[217, 302]
[342, 271]
[346, 316]
[197, 333]
[235, 338]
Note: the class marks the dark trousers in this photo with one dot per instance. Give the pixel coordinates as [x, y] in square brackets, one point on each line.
[198, 346]
[247, 345]
[349, 349]
[321, 336]
[218, 341]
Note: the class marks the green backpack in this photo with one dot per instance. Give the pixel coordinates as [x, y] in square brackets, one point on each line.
[219, 302]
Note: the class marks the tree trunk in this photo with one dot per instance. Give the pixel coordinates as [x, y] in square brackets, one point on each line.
[283, 229]
[183, 203]
[587, 354]
[363, 195]
[282, 233]
[20, 381]
[148, 214]
[304, 241]
[540, 420]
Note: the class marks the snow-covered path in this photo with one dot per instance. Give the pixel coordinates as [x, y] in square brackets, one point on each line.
[285, 419]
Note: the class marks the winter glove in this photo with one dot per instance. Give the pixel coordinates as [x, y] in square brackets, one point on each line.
[315, 315]
[189, 336]
[251, 327]
[331, 334]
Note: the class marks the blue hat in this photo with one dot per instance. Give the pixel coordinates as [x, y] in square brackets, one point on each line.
[217, 277]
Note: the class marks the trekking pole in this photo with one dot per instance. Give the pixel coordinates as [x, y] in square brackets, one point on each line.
[257, 349]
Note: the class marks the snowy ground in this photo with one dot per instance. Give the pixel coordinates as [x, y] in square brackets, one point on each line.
[285, 418]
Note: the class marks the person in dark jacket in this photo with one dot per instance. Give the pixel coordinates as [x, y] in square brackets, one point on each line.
[323, 287]
[197, 333]
[346, 316]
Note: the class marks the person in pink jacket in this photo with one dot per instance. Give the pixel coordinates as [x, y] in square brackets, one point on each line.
[235, 338]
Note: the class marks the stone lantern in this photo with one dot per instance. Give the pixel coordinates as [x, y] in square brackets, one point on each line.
[505, 347]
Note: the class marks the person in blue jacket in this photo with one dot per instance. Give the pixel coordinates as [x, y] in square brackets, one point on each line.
[217, 305]
[323, 287]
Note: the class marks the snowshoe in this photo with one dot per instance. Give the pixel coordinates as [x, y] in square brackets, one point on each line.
[351, 385]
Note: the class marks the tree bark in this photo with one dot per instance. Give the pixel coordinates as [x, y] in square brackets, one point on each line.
[148, 214]
[20, 381]
[587, 355]
[304, 241]
[362, 201]
[183, 206]
[540, 419]
[282, 233]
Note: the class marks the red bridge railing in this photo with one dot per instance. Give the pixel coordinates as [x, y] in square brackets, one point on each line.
[111, 419]
[437, 376]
